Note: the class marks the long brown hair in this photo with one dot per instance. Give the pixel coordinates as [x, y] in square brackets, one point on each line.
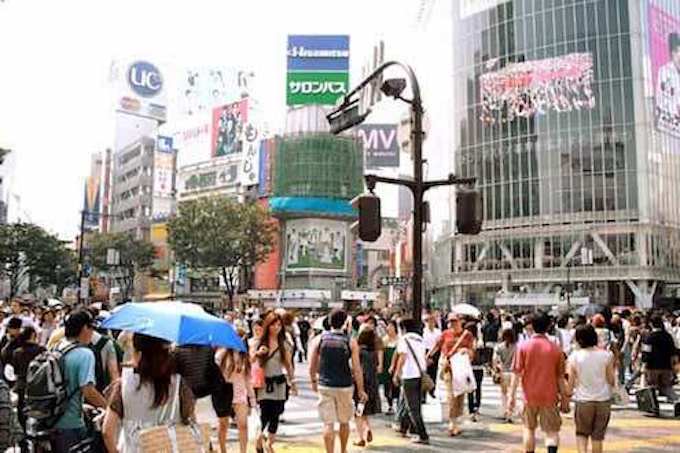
[270, 319]
[155, 366]
[229, 359]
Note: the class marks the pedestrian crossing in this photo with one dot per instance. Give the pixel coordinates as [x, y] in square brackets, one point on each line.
[301, 418]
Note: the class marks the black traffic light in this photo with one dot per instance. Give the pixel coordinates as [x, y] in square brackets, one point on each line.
[469, 211]
[370, 224]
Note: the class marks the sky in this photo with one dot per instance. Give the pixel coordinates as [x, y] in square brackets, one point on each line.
[55, 96]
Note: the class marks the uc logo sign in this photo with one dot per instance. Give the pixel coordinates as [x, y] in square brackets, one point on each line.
[145, 79]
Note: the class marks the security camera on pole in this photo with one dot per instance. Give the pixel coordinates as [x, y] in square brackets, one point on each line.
[469, 208]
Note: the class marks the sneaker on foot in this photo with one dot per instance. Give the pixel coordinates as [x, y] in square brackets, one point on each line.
[418, 440]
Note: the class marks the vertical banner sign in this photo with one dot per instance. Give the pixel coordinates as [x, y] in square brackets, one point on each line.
[92, 202]
[228, 127]
[380, 144]
[664, 52]
[250, 171]
[318, 69]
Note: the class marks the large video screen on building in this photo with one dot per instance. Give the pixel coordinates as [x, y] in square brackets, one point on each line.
[525, 89]
[664, 53]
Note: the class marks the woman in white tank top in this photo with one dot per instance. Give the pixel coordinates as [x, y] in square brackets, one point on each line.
[591, 378]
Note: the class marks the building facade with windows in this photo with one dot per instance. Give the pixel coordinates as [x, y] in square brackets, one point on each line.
[567, 112]
[142, 187]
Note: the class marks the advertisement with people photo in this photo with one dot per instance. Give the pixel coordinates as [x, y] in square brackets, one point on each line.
[664, 52]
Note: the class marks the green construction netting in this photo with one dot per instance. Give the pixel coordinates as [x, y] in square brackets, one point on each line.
[318, 165]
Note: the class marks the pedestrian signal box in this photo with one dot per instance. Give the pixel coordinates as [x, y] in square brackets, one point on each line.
[369, 225]
[469, 211]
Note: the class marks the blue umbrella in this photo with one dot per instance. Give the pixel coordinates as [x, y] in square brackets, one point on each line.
[178, 322]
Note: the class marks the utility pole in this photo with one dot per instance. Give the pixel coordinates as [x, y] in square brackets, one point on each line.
[347, 115]
[81, 248]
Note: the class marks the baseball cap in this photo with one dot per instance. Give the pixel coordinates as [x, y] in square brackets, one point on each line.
[75, 322]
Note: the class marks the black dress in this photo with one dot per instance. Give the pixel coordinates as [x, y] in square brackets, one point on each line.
[369, 365]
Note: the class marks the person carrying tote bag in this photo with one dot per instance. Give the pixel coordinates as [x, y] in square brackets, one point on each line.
[149, 403]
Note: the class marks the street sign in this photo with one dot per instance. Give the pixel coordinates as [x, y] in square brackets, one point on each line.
[393, 281]
[359, 295]
[347, 118]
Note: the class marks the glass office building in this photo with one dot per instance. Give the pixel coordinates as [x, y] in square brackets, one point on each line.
[568, 113]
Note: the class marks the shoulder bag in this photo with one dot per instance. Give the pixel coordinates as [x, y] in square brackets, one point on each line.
[426, 382]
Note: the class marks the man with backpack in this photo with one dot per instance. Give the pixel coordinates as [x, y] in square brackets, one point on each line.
[106, 367]
[75, 382]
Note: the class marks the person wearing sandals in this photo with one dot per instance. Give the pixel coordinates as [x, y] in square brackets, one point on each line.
[453, 340]
[235, 368]
[149, 394]
[331, 375]
[591, 372]
[274, 355]
[390, 341]
[503, 357]
[411, 366]
[369, 367]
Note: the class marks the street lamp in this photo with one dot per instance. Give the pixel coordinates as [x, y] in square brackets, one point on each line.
[348, 115]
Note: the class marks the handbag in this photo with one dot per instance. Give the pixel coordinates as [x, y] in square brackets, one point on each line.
[426, 382]
[257, 375]
[174, 437]
[192, 438]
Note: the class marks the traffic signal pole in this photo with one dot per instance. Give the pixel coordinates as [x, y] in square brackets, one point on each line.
[417, 186]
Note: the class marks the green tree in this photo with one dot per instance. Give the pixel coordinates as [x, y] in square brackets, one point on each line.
[222, 235]
[136, 256]
[30, 255]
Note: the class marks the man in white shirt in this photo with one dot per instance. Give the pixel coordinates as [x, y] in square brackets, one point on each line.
[431, 336]
[409, 368]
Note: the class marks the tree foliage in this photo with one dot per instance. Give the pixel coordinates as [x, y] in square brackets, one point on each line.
[136, 256]
[29, 255]
[220, 234]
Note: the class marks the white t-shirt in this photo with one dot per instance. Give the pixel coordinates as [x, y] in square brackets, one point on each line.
[591, 368]
[430, 337]
[410, 369]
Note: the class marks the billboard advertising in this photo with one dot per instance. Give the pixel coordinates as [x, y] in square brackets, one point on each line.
[664, 51]
[318, 53]
[318, 69]
[164, 163]
[139, 89]
[200, 89]
[250, 165]
[559, 84]
[316, 244]
[380, 144]
[197, 178]
[268, 149]
[92, 202]
[228, 127]
[318, 88]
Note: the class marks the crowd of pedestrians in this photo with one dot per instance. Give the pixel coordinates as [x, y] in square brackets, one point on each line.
[360, 365]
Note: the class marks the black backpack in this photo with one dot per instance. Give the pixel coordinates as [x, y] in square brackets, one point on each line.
[196, 365]
[101, 373]
[46, 394]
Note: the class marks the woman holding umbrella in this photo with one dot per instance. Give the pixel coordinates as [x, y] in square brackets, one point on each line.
[145, 395]
[274, 354]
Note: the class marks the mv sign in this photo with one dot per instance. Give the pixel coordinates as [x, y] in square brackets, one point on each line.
[380, 143]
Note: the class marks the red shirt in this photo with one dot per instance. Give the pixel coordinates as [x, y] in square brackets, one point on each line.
[540, 363]
[449, 339]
